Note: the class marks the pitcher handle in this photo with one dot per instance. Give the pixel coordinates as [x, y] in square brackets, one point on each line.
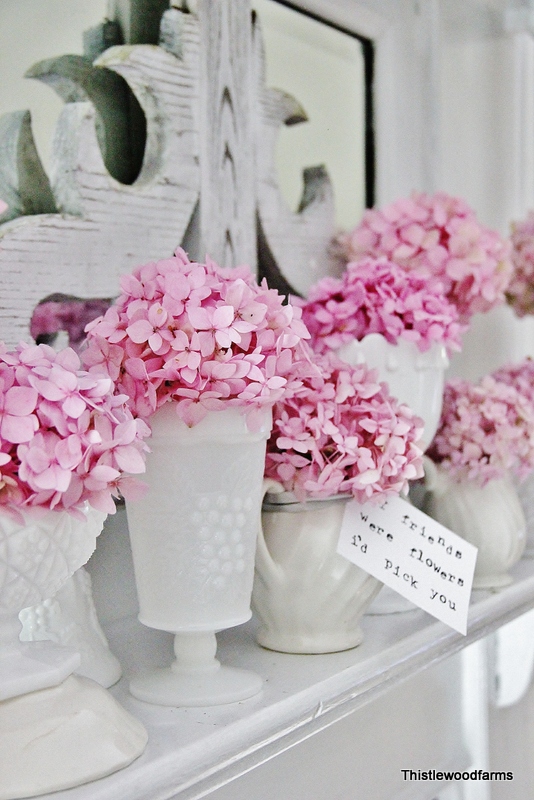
[263, 557]
[434, 481]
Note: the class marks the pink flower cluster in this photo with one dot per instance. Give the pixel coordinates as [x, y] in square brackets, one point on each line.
[486, 429]
[520, 292]
[437, 236]
[65, 438]
[65, 313]
[520, 376]
[378, 296]
[204, 337]
[342, 433]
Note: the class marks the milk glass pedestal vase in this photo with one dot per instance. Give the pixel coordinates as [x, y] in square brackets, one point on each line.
[416, 379]
[193, 540]
[69, 618]
[525, 492]
[490, 517]
[307, 597]
[48, 719]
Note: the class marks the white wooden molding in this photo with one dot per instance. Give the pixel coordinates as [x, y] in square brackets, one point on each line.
[523, 123]
[513, 662]
[227, 223]
[298, 242]
[105, 227]
[24, 185]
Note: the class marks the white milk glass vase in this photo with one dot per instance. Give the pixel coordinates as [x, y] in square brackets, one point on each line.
[56, 730]
[525, 492]
[38, 554]
[193, 538]
[70, 618]
[490, 517]
[414, 378]
[307, 597]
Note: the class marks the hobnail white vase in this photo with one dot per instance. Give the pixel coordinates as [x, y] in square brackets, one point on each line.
[193, 539]
[37, 556]
[307, 597]
[56, 730]
[490, 517]
[415, 378]
[70, 619]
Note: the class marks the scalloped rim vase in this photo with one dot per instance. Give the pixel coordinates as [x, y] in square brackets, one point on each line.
[193, 539]
[490, 517]
[56, 730]
[307, 597]
[415, 378]
[37, 557]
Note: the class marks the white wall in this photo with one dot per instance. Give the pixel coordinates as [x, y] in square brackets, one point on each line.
[32, 30]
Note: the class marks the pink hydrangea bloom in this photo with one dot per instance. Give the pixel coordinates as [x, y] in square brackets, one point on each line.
[486, 429]
[3, 206]
[201, 336]
[437, 236]
[520, 292]
[65, 313]
[65, 437]
[520, 375]
[343, 433]
[378, 296]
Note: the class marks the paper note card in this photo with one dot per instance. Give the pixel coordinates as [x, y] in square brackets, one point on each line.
[413, 554]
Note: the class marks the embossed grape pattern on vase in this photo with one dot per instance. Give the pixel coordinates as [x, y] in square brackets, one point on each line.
[39, 555]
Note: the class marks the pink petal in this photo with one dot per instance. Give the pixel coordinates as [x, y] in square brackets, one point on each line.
[20, 400]
[18, 429]
[140, 331]
[74, 406]
[129, 459]
[223, 316]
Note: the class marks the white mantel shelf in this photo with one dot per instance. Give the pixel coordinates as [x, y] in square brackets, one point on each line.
[192, 751]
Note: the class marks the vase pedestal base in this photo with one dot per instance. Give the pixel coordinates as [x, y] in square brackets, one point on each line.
[196, 678]
[30, 667]
[309, 643]
[388, 601]
[167, 687]
[64, 736]
[492, 581]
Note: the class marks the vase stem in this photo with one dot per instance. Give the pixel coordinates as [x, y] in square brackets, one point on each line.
[195, 653]
[196, 678]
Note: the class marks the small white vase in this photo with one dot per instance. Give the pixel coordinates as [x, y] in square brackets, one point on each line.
[37, 556]
[193, 541]
[70, 619]
[414, 378]
[64, 736]
[56, 730]
[525, 492]
[490, 517]
[307, 597]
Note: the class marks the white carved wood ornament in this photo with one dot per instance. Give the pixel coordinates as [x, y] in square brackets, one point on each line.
[207, 180]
